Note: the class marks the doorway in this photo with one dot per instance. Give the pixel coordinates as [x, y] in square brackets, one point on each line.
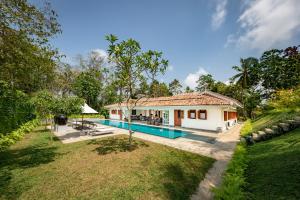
[178, 115]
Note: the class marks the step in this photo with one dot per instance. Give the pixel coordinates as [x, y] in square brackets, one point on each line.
[270, 133]
[262, 135]
[284, 126]
[255, 137]
[293, 123]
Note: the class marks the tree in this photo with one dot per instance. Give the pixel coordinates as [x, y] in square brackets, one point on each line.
[204, 82]
[87, 86]
[158, 89]
[67, 105]
[175, 87]
[153, 64]
[65, 78]
[26, 59]
[131, 68]
[188, 89]
[43, 102]
[247, 75]
[282, 66]
[47, 105]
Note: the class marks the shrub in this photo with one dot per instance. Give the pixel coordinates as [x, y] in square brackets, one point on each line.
[13, 137]
[15, 108]
[286, 99]
[233, 179]
[247, 128]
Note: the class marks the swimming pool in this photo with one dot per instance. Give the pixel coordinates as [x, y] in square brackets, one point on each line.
[158, 131]
[163, 132]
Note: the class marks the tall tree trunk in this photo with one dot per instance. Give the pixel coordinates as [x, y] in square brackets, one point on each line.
[129, 127]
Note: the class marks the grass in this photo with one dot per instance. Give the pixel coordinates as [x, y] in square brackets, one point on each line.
[271, 118]
[37, 168]
[267, 120]
[234, 177]
[274, 168]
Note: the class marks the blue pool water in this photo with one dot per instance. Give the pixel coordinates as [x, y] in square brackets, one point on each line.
[158, 131]
[152, 130]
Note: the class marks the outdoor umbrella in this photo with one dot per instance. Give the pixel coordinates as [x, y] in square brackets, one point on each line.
[86, 109]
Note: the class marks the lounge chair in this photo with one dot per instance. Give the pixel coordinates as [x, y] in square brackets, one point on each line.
[76, 123]
[100, 131]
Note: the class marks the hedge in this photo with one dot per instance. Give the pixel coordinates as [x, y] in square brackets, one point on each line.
[233, 179]
[13, 137]
[15, 108]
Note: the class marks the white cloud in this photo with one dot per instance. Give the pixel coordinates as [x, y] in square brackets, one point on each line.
[219, 15]
[100, 53]
[227, 82]
[68, 59]
[192, 78]
[267, 24]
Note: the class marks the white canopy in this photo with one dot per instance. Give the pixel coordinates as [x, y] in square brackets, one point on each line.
[88, 110]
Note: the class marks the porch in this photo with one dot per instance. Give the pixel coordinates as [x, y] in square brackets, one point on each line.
[150, 116]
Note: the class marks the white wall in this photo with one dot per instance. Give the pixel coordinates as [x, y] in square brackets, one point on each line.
[171, 117]
[215, 116]
[213, 121]
[114, 116]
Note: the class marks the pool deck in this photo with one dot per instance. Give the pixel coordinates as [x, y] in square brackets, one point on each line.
[221, 150]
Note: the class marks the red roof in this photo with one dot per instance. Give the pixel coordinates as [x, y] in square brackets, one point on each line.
[185, 99]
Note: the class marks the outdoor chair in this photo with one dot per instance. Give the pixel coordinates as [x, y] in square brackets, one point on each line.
[101, 130]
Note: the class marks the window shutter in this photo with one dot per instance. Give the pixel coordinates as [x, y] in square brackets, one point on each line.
[189, 114]
[225, 115]
[182, 114]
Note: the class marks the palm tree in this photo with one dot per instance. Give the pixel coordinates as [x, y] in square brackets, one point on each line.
[245, 71]
[246, 77]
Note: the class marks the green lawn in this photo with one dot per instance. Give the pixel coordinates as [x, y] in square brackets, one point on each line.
[271, 118]
[274, 168]
[36, 168]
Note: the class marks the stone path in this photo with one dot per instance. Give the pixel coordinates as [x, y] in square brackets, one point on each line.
[214, 175]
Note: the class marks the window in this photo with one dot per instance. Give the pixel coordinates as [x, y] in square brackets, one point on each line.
[113, 112]
[119, 112]
[192, 114]
[202, 114]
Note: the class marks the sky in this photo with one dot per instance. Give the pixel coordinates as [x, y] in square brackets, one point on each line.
[196, 36]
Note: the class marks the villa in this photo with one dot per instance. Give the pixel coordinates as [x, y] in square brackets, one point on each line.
[206, 111]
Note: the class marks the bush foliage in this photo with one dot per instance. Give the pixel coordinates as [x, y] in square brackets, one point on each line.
[286, 99]
[13, 137]
[15, 108]
[247, 128]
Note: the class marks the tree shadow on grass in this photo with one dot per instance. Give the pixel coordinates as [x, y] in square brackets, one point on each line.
[115, 145]
[14, 160]
[178, 183]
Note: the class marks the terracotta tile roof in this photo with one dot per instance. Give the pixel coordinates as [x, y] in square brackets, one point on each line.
[186, 99]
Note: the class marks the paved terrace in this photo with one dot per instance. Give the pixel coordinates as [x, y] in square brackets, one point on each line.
[221, 150]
